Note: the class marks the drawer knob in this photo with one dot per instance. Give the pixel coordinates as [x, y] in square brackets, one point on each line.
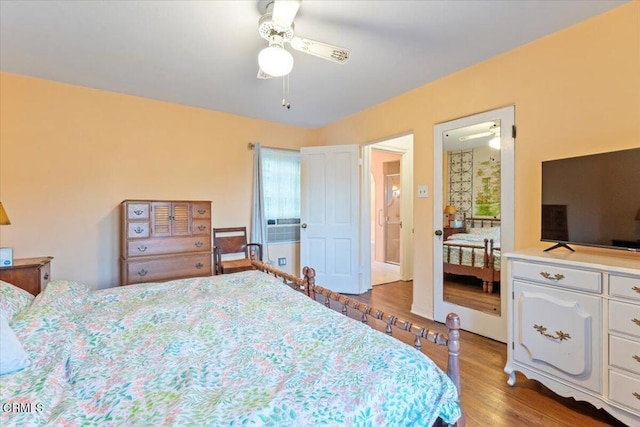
[142, 248]
[199, 265]
[138, 230]
[202, 227]
[636, 357]
[198, 244]
[549, 276]
[142, 272]
[637, 395]
[637, 289]
[138, 212]
[46, 276]
[560, 336]
[636, 321]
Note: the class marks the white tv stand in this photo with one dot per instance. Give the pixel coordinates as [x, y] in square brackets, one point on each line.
[574, 325]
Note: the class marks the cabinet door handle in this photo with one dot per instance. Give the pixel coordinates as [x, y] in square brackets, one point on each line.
[557, 276]
[142, 272]
[46, 276]
[560, 336]
[637, 289]
[202, 211]
[142, 248]
[138, 212]
[636, 357]
[138, 230]
[637, 395]
[636, 321]
[199, 244]
[202, 227]
[199, 265]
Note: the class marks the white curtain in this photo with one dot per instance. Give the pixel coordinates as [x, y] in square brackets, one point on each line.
[281, 177]
[258, 218]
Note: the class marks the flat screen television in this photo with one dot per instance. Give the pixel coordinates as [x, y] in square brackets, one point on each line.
[592, 200]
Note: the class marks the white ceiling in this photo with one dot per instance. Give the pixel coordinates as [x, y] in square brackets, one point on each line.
[204, 53]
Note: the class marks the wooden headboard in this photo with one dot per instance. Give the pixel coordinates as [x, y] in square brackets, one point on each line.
[480, 222]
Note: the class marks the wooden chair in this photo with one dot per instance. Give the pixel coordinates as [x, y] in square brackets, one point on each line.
[231, 251]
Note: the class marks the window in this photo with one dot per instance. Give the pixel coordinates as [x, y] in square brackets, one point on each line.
[281, 188]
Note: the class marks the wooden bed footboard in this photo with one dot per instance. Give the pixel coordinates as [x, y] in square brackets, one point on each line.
[482, 267]
[308, 286]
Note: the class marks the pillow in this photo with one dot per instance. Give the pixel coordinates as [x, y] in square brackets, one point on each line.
[13, 299]
[12, 357]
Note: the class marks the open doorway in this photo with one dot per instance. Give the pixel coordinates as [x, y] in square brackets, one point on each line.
[390, 182]
[386, 193]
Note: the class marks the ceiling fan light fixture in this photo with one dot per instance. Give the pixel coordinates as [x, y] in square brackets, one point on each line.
[275, 60]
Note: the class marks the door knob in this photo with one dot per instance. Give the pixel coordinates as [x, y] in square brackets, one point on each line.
[303, 225]
[438, 232]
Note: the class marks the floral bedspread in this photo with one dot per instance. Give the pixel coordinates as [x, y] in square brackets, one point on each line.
[225, 350]
[472, 256]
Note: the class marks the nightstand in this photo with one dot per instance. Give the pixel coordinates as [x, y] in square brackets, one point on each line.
[30, 274]
[448, 231]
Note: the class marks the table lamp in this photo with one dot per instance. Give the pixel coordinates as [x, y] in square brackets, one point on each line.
[6, 254]
[450, 210]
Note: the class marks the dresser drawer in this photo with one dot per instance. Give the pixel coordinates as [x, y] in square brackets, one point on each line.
[149, 247]
[200, 210]
[625, 286]
[584, 280]
[624, 390]
[138, 211]
[624, 318]
[137, 230]
[166, 268]
[624, 354]
[559, 333]
[201, 227]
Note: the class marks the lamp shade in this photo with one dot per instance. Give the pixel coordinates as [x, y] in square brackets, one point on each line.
[275, 60]
[4, 219]
[450, 209]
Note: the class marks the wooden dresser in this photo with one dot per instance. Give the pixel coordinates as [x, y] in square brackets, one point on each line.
[164, 240]
[30, 274]
[573, 326]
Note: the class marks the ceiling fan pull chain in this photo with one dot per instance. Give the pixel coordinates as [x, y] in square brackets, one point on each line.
[285, 92]
[284, 101]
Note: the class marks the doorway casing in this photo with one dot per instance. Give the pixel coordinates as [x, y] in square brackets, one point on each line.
[402, 145]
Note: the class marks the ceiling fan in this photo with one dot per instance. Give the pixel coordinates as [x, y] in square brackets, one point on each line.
[276, 26]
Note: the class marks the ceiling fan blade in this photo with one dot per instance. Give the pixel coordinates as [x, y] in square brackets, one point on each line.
[284, 11]
[262, 75]
[333, 53]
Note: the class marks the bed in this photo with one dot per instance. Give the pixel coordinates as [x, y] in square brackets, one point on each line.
[476, 252]
[232, 349]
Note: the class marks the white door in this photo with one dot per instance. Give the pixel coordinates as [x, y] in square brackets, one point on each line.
[330, 216]
[492, 325]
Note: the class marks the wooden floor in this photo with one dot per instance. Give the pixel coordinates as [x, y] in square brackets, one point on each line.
[487, 400]
[467, 292]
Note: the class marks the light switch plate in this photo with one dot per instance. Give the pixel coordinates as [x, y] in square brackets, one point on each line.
[423, 191]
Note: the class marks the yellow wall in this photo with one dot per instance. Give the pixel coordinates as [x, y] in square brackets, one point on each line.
[69, 155]
[575, 92]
